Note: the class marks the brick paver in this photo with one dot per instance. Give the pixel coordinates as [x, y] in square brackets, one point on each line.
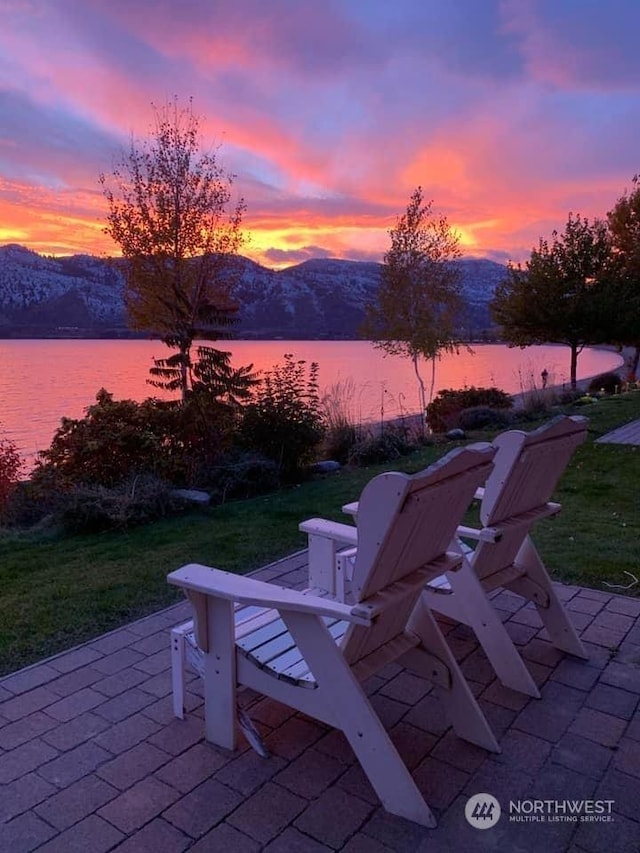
[75, 732]
[24, 833]
[158, 836]
[75, 704]
[624, 676]
[311, 773]
[395, 833]
[226, 838]
[122, 736]
[17, 762]
[192, 767]
[27, 703]
[92, 759]
[120, 682]
[612, 700]
[76, 802]
[73, 765]
[92, 834]
[15, 734]
[204, 807]
[74, 681]
[598, 727]
[334, 817]
[124, 704]
[74, 659]
[584, 756]
[139, 804]
[22, 794]
[27, 679]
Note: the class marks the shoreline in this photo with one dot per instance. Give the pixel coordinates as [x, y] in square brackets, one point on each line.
[380, 386]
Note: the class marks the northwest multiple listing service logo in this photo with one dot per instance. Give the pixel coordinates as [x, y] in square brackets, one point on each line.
[483, 811]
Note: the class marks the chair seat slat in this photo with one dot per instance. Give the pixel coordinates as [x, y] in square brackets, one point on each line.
[264, 634]
[298, 671]
[281, 642]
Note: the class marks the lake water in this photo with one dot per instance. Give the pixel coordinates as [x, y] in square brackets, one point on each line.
[42, 381]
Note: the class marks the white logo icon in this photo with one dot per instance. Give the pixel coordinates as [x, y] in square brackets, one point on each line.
[482, 811]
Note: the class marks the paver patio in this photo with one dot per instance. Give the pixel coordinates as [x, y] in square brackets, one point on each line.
[91, 758]
[626, 434]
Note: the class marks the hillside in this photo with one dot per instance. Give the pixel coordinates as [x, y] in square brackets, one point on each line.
[82, 296]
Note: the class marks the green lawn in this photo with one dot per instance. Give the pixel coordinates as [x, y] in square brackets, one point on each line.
[58, 592]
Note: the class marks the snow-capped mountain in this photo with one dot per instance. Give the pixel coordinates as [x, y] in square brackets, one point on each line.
[318, 298]
[49, 295]
[83, 295]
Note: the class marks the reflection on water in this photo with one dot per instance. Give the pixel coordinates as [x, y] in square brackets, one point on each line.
[43, 381]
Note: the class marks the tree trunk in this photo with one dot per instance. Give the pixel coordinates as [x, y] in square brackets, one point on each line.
[422, 395]
[184, 374]
[433, 378]
[574, 366]
[633, 364]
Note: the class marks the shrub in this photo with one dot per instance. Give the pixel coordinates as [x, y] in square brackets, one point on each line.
[339, 442]
[372, 450]
[118, 439]
[445, 408]
[92, 508]
[10, 468]
[483, 417]
[341, 432]
[608, 383]
[204, 432]
[284, 421]
[34, 500]
[115, 439]
[242, 475]
[568, 396]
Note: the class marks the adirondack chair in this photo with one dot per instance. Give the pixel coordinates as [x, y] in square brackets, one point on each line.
[527, 469]
[311, 651]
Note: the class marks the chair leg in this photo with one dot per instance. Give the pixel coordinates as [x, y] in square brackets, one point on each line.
[554, 617]
[220, 674]
[322, 563]
[354, 715]
[468, 603]
[177, 670]
[462, 708]
[386, 771]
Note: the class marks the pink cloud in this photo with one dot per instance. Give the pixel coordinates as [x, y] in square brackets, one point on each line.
[577, 46]
[330, 114]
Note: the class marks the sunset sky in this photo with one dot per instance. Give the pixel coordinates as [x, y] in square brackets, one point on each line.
[509, 113]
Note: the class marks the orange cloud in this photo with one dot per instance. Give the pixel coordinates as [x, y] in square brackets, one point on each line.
[329, 117]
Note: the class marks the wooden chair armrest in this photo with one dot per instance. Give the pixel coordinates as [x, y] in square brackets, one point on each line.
[482, 534]
[246, 590]
[385, 599]
[351, 509]
[495, 533]
[343, 533]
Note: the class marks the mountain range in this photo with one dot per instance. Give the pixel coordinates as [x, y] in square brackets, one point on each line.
[83, 296]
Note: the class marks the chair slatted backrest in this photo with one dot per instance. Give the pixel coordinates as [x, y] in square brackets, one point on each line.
[404, 524]
[527, 469]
